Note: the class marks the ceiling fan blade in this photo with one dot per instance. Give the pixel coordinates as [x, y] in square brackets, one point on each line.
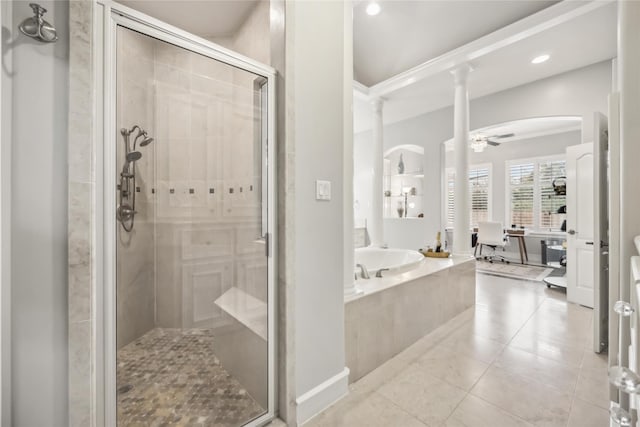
[506, 135]
[493, 143]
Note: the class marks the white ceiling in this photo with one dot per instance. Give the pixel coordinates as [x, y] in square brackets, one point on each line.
[204, 18]
[585, 40]
[408, 33]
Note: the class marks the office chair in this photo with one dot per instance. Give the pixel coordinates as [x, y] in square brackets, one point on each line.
[491, 234]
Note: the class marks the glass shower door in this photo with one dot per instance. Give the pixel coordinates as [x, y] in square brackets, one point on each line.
[192, 293]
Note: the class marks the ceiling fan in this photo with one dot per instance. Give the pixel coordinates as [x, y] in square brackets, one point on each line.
[479, 142]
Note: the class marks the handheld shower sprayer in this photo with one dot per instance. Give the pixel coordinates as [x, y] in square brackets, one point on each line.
[127, 206]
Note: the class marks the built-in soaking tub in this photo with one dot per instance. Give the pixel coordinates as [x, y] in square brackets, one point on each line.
[413, 298]
[395, 260]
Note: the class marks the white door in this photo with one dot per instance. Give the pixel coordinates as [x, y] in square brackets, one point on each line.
[580, 224]
[601, 234]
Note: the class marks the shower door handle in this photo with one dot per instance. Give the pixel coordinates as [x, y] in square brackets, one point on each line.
[267, 244]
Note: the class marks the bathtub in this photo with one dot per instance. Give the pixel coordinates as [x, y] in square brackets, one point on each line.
[396, 260]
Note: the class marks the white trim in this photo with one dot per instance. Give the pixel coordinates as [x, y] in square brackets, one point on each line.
[322, 396]
[360, 91]
[547, 18]
[108, 16]
[5, 224]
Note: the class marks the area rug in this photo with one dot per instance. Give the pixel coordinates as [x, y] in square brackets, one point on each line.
[514, 271]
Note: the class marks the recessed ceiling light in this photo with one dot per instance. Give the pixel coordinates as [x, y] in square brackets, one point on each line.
[540, 59]
[373, 8]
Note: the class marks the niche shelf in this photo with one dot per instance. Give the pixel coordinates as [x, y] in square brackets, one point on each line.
[397, 182]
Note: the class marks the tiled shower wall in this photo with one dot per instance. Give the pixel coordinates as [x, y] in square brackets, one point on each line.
[136, 260]
[199, 198]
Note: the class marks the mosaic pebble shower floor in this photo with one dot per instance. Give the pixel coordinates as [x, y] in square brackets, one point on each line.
[172, 377]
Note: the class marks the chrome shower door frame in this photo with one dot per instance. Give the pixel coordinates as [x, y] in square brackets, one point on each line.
[108, 16]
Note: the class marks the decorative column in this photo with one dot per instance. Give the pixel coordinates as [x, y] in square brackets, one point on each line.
[461, 214]
[350, 287]
[376, 228]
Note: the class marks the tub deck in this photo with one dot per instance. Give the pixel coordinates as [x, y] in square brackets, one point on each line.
[394, 312]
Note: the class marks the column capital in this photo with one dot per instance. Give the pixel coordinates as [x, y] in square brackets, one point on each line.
[461, 73]
[377, 103]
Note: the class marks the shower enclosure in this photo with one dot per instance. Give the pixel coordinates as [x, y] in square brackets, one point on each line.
[188, 219]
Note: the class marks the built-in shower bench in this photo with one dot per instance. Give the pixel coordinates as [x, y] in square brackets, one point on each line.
[246, 309]
[241, 346]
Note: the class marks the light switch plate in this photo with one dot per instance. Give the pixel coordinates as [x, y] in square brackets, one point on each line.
[323, 190]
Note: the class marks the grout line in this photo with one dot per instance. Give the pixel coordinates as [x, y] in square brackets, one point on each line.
[399, 407]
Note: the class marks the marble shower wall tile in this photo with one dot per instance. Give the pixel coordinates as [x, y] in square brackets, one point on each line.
[80, 374]
[80, 91]
[81, 170]
[80, 259]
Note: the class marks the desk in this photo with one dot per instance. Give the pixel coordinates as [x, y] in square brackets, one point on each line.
[522, 245]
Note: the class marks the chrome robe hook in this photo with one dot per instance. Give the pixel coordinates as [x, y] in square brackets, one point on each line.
[36, 27]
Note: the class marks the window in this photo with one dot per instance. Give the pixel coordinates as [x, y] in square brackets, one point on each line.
[550, 202]
[521, 189]
[533, 202]
[479, 192]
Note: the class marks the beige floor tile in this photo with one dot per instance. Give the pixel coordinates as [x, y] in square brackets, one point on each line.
[530, 340]
[538, 368]
[594, 361]
[475, 412]
[429, 399]
[491, 326]
[584, 414]
[530, 400]
[452, 367]
[370, 410]
[467, 343]
[593, 387]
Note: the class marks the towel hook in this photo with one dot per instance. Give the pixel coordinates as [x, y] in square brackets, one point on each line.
[36, 27]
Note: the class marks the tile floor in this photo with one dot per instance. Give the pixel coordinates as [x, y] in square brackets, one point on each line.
[172, 377]
[522, 357]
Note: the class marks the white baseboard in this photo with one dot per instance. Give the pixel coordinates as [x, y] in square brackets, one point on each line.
[322, 396]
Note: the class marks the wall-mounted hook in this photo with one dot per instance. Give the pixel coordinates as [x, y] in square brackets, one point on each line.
[36, 27]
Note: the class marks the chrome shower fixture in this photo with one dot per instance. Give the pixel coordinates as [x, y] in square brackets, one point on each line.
[36, 27]
[127, 206]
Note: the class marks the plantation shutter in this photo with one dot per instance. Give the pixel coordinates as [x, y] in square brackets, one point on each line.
[451, 178]
[521, 189]
[550, 202]
[479, 191]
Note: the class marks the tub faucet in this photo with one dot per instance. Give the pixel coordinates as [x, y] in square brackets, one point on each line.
[363, 271]
[379, 272]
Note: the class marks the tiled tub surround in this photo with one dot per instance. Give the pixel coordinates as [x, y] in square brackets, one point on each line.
[395, 311]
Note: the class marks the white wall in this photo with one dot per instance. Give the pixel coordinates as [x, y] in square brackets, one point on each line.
[39, 79]
[575, 93]
[315, 125]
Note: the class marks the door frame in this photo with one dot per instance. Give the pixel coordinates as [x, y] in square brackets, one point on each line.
[108, 15]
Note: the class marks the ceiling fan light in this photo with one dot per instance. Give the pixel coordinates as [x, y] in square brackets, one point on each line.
[478, 144]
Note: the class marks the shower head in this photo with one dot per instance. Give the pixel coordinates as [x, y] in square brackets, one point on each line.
[134, 156]
[146, 141]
